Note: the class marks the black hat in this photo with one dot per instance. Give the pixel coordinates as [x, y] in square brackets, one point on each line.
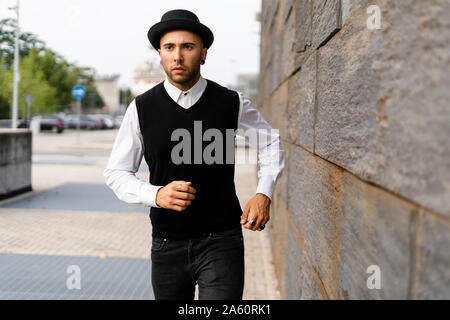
[179, 20]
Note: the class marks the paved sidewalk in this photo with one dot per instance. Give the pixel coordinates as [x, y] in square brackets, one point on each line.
[44, 223]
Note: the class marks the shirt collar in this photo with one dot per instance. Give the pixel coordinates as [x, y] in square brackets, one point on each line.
[196, 91]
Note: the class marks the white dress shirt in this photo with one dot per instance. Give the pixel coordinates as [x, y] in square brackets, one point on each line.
[128, 149]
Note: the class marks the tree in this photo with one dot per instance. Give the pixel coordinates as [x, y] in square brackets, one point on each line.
[32, 82]
[58, 74]
[43, 73]
[126, 97]
[27, 41]
[4, 103]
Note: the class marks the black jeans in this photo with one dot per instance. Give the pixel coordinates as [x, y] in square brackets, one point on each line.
[215, 261]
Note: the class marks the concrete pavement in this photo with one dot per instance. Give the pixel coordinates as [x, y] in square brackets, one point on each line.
[73, 219]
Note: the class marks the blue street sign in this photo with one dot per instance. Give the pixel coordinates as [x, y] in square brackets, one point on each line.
[78, 92]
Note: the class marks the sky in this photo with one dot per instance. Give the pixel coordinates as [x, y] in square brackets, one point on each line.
[111, 36]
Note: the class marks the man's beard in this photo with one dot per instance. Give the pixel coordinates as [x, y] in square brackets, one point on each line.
[186, 77]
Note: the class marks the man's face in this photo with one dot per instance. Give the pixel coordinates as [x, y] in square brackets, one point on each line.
[181, 54]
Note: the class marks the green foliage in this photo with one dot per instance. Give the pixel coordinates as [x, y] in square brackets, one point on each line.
[44, 74]
[126, 97]
[32, 82]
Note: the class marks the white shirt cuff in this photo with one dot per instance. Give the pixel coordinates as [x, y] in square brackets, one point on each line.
[147, 195]
[266, 185]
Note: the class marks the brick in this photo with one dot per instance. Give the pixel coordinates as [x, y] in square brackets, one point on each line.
[378, 89]
[302, 11]
[301, 105]
[315, 202]
[349, 7]
[279, 238]
[375, 231]
[282, 185]
[300, 284]
[347, 117]
[303, 32]
[414, 148]
[325, 21]
[281, 109]
[288, 48]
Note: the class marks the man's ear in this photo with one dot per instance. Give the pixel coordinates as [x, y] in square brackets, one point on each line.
[204, 54]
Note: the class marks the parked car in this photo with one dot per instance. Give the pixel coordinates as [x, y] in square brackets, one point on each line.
[86, 122]
[106, 121]
[52, 123]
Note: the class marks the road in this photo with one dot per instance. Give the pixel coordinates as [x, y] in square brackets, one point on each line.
[71, 238]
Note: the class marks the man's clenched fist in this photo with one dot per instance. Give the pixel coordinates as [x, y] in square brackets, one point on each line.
[176, 198]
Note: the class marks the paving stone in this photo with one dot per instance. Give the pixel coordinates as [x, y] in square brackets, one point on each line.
[43, 277]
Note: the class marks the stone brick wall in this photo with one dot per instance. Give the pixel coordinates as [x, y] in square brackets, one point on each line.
[364, 117]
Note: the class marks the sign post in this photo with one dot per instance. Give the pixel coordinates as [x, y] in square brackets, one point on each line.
[29, 99]
[78, 93]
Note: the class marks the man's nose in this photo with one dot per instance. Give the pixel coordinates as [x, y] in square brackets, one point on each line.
[177, 55]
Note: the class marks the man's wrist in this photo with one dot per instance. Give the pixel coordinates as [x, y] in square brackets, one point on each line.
[265, 196]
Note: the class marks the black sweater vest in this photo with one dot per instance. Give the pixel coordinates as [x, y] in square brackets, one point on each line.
[216, 206]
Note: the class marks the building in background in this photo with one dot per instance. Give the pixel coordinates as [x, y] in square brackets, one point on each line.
[146, 76]
[108, 89]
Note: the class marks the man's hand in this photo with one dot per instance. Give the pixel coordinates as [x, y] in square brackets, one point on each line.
[177, 195]
[257, 210]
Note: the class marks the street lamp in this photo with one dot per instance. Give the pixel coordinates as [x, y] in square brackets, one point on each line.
[16, 70]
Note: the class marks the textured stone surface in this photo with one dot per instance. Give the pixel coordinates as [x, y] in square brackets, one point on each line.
[378, 89]
[15, 161]
[434, 258]
[383, 115]
[375, 231]
[414, 77]
[282, 186]
[300, 109]
[280, 109]
[288, 5]
[303, 32]
[288, 47]
[300, 278]
[302, 11]
[347, 116]
[279, 226]
[325, 21]
[315, 202]
[349, 7]
[14, 147]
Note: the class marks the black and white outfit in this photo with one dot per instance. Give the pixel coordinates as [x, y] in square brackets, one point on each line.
[202, 244]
